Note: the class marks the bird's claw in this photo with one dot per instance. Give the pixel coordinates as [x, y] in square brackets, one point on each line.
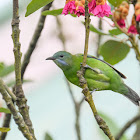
[94, 69]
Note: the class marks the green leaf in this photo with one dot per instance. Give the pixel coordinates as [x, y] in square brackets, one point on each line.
[115, 32]
[48, 137]
[115, 2]
[53, 12]
[114, 51]
[5, 70]
[98, 31]
[4, 129]
[34, 5]
[1, 66]
[5, 110]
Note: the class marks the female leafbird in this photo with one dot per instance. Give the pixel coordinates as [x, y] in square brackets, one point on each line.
[99, 74]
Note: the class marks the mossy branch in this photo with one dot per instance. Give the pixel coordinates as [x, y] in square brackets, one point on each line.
[18, 119]
[21, 100]
[83, 82]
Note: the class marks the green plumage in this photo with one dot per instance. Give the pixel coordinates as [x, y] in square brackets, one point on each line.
[100, 75]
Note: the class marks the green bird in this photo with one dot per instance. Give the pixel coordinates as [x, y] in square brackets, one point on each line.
[99, 74]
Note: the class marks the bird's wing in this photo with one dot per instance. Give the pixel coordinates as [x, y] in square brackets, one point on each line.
[122, 75]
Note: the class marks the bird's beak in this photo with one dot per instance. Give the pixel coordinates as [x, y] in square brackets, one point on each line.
[50, 58]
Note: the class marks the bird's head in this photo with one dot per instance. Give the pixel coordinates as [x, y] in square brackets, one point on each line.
[62, 59]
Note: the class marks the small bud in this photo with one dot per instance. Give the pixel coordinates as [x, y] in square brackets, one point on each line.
[89, 1]
[116, 15]
[83, 2]
[77, 3]
[137, 6]
[137, 12]
[125, 11]
[100, 2]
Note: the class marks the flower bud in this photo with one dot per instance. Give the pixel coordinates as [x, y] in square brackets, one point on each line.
[100, 2]
[83, 2]
[116, 15]
[137, 6]
[125, 12]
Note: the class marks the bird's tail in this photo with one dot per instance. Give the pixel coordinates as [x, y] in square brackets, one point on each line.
[132, 95]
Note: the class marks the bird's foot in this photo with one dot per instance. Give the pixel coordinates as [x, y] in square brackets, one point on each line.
[94, 69]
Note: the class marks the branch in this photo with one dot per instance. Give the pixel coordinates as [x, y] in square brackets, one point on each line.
[83, 82]
[6, 124]
[34, 41]
[7, 117]
[99, 37]
[19, 121]
[126, 126]
[21, 100]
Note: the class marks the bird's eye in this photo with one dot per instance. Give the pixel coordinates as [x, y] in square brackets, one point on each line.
[61, 56]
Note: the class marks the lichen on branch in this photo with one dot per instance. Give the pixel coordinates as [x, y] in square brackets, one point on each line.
[21, 101]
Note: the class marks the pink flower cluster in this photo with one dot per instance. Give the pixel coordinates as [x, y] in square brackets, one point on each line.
[121, 23]
[97, 10]
[132, 29]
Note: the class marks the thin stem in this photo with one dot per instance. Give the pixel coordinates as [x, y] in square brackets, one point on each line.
[87, 22]
[21, 100]
[126, 126]
[83, 82]
[99, 37]
[6, 124]
[10, 93]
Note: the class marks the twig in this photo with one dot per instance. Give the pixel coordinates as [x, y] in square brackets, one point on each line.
[126, 126]
[99, 37]
[83, 82]
[21, 100]
[34, 41]
[19, 121]
[136, 135]
[14, 98]
[76, 104]
[6, 124]
[7, 117]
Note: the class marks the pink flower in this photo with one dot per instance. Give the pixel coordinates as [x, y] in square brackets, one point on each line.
[69, 7]
[121, 23]
[102, 10]
[132, 29]
[80, 11]
[91, 6]
[138, 18]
